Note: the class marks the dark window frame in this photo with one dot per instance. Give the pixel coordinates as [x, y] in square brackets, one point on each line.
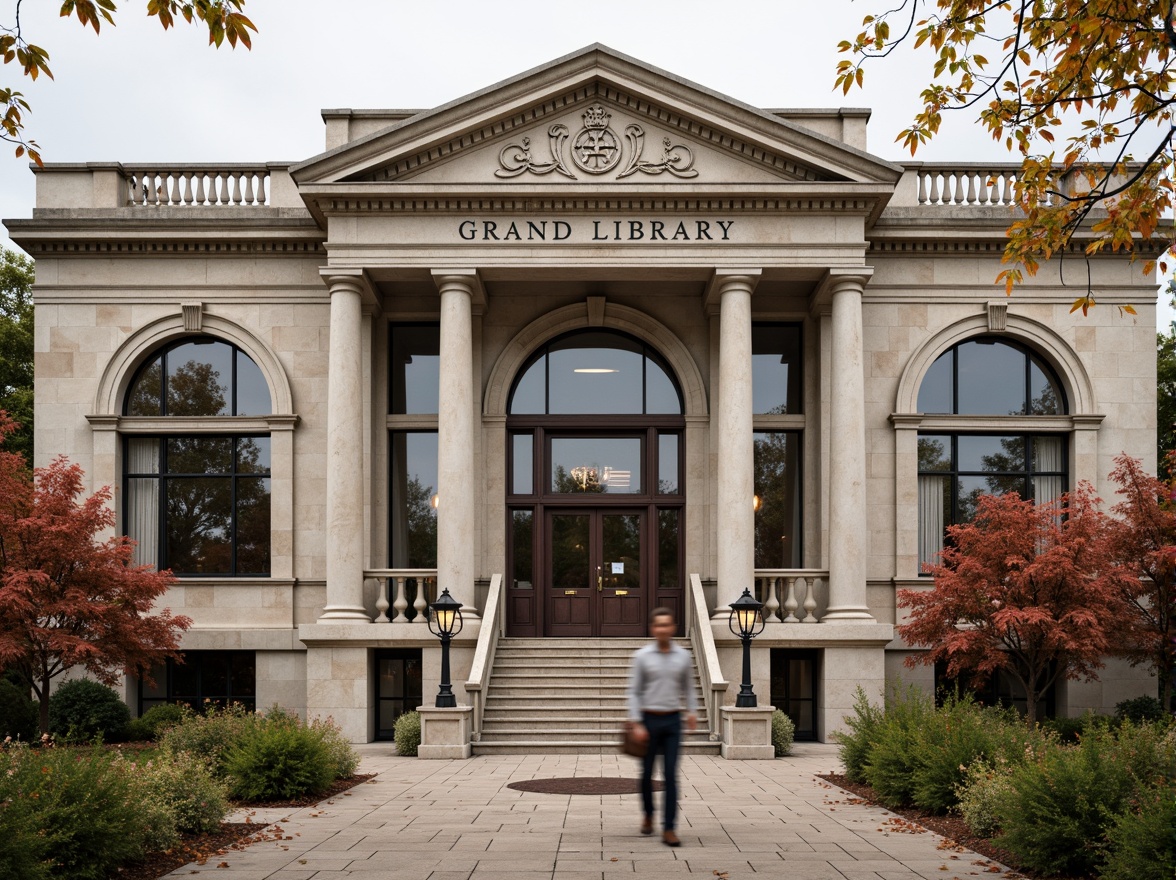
[406, 699]
[1030, 357]
[161, 355]
[202, 698]
[162, 562]
[781, 701]
[799, 363]
[954, 473]
[648, 354]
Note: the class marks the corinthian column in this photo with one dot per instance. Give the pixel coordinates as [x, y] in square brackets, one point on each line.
[456, 479]
[735, 563]
[848, 525]
[345, 455]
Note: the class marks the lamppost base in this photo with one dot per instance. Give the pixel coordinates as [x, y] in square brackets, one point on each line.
[746, 701]
[445, 701]
[446, 733]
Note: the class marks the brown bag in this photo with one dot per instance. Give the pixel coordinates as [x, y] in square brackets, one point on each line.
[630, 745]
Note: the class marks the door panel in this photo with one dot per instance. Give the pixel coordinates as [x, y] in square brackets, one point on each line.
[571, 587]
[622, 594]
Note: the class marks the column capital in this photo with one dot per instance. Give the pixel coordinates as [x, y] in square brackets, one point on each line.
[839, 278]
[462, 279]
[727, 280]
[350, 279]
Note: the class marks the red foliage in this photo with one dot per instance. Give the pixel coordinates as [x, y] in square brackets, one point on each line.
[70, 597]
[1024, 587]
[1143, 540]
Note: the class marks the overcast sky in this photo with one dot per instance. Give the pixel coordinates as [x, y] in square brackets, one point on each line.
[137, 94]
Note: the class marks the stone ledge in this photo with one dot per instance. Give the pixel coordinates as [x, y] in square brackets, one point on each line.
[380, 635]
[810, 635]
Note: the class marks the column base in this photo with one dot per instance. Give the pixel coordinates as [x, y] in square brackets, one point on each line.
[344, 614]
[848, 614]
[747, 734]
[446, 733]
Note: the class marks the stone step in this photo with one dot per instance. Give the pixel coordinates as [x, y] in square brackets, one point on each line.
[557, 685]
[579, 718]
[575, 734]
[583, 747]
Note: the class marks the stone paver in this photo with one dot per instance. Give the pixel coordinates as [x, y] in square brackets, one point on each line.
[457, 820]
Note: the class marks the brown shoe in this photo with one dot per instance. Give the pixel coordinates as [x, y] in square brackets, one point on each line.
[669, 838]
[647, 825]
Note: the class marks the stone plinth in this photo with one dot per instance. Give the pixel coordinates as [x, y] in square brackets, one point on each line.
[747, 734]
[445, 733]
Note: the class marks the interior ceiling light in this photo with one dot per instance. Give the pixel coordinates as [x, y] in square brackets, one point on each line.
[594, 370]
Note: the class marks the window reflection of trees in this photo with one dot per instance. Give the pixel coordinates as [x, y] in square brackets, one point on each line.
[777, 488]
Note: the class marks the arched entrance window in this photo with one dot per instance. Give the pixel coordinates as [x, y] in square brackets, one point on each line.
[1016, 450]
[595, 492]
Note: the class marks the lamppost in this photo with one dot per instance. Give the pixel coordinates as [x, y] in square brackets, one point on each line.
[745, 614]
[445, 623]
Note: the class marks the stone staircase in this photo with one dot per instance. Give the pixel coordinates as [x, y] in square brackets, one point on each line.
[567, 696]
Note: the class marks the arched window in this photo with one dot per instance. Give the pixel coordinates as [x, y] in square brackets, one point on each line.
[960, 461]
[990, 376]
[198, 499]
[595, 372]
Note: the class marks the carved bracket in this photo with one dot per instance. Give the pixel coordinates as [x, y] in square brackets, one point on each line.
[193, 316]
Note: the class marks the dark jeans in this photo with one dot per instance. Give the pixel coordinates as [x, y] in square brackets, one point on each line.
[665, 736]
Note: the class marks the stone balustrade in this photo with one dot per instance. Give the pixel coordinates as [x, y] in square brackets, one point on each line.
[197, 185]
[792, 595]
[969, 185]
[395, 585]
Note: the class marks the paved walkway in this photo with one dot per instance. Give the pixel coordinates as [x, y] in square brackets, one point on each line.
[457, 820]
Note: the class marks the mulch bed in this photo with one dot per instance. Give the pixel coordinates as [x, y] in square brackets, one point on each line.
[595, 785]
[955, 832]
[232, 836]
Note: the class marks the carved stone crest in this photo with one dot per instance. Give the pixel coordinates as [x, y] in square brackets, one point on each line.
[596, 149]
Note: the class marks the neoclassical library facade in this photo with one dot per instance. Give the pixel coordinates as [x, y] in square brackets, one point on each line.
[590, 341]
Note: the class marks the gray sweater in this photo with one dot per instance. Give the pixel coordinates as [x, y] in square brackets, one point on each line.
[661, 681]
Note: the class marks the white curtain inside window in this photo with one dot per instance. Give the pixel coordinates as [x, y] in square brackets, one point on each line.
[143, 499]
[933, 502]
[1047, 456]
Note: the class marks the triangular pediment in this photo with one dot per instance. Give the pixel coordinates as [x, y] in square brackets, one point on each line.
[594, 117]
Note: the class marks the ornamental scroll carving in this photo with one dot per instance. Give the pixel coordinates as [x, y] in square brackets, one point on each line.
[594, 150]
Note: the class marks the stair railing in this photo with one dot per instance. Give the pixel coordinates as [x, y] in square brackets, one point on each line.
[698, 630]
[493, 628]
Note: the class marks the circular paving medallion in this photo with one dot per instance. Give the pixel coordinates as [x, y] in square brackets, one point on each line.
[584, 785]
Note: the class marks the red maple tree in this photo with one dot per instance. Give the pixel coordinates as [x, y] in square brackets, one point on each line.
[1024, 587]
[68, 597]
[1142, 538]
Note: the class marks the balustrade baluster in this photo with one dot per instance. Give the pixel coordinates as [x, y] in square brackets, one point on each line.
[262, 185]
[248, 187]
[187, 198]
[1007, 198]
[236, 178]
[790, 604]
[222, 187]
[810, 601]
[970, 196]
[401, 602]
[771, 604]
[421, 604]
[921, 177]
[200, 195]
[934, 188]
[381, 599]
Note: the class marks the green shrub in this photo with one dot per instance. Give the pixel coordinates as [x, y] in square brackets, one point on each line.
[407, 733]
[19, 718]
[82, 809]
[83, 709]
[1067, 730]
[980, 793]
[211, 735]
[952, 738]
[344, 758]
[1060, 804]
[277, 759]
[890, 765]
[853, 747]
[159, 718]
[184, 786]
[1141, 844]
[1140, 709]
[783, 731]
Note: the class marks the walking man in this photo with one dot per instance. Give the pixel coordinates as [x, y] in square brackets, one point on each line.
[661, 684]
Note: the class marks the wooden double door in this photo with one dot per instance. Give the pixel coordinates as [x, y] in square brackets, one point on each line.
[596, 572]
